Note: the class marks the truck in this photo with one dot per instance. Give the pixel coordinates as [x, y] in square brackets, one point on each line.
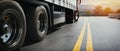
[31, 20]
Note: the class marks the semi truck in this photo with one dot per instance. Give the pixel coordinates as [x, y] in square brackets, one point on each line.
[31, 20]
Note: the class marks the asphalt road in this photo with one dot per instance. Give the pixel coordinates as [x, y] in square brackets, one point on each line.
[88, 34]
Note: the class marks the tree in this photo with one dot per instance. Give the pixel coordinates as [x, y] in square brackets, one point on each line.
[107, 10]
[118, 11]
[98, 10]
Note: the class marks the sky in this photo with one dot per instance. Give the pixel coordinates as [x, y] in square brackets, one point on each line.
[114, 4]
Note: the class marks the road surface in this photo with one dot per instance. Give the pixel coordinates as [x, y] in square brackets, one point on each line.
[88, 34]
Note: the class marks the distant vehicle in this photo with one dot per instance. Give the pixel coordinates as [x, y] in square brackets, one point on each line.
[114, 15]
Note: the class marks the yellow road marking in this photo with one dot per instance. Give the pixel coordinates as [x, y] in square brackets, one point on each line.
[89, 45]
[80, 38]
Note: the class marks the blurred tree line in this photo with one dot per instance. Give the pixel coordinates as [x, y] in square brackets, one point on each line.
[118, 11]
[104, 12]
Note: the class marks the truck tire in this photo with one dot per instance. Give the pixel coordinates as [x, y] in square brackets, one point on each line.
[69, 16]
[76, 16]
[12, 26]
[37, 23]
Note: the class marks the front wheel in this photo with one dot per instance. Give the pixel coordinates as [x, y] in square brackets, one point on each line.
[12, 26]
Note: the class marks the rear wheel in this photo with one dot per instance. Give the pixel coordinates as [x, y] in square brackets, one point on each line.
[76, 16]
[37, 23]
[69, 16]
[12, 26]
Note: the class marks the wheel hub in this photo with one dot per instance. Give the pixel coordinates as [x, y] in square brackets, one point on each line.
[41, 22]
[5, 31]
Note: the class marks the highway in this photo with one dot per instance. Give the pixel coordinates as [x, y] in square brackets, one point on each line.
[90, 33]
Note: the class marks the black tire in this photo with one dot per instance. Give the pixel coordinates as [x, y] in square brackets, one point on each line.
[37, 20]
[69, 16]
[76, 17]
[12, 26]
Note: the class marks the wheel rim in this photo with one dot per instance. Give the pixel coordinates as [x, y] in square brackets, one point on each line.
[42, 22]
[10, 28]
[6, 32]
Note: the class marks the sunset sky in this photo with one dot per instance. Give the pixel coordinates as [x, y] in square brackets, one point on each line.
[114, 4]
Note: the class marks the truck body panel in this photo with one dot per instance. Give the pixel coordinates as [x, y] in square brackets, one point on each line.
[64, 3]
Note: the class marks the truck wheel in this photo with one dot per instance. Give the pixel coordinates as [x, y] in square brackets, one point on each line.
[12, 26]
[69, 16]
[76, 16]
[37, 24]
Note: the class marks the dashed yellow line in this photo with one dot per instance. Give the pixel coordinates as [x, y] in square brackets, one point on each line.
[89, 45]
[80, 38]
